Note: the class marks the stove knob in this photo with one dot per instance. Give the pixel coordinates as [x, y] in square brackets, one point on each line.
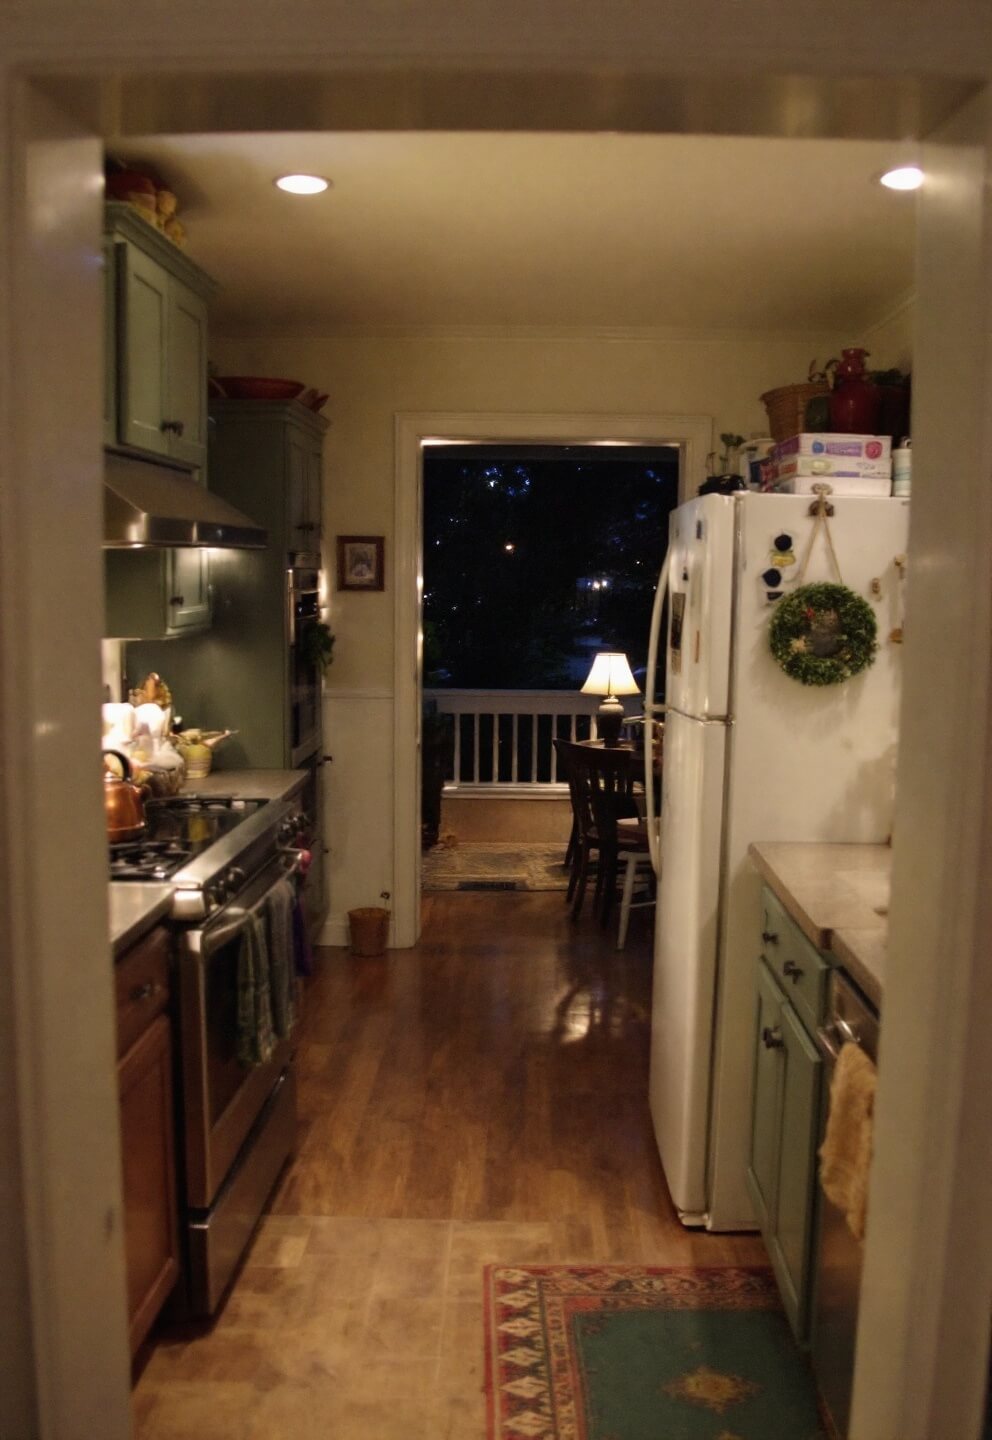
[234, 878]
[215, 894]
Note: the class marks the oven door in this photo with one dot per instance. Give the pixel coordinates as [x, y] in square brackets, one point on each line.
[221, 1099]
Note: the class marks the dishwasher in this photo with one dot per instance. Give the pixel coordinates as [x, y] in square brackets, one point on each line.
[837, 1254]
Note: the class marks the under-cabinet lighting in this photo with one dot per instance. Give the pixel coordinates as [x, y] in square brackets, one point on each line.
[302, 184]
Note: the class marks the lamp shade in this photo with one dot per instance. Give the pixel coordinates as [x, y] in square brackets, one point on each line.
[610, 675]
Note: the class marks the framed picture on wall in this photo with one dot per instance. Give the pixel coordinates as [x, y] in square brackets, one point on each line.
[360, 562]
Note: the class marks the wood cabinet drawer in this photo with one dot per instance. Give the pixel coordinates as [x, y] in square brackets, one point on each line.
[141, 982]
[797, 965]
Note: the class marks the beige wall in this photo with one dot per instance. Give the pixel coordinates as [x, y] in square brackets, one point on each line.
[369, 379]
[890, 340]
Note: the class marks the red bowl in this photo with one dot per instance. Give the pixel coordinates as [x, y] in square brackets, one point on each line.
[256, 387]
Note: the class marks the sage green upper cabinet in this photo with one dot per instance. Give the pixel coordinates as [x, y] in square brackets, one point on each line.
[304, 468]
[160, 341]
[109, 341]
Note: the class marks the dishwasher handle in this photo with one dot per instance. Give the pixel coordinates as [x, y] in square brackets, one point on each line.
[836, 1033]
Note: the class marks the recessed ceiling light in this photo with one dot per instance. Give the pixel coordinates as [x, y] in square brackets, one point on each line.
[903, 177]
[302, 184]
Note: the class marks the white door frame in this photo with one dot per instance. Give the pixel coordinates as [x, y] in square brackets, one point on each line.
[691, 435]
[58, 981]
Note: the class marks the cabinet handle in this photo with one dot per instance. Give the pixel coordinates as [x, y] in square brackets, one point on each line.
[792, 970]
[144, 992]
[769, 937]
[771, 1038]
[177, 599]
[175, 426]
[306, 525]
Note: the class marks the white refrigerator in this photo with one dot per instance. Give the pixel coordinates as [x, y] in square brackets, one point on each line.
[750, 754]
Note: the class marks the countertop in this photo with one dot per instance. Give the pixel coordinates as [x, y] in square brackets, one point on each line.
[838, 895]
[248, 784]
[134, 909]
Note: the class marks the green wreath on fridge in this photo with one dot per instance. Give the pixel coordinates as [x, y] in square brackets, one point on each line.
[823, 634]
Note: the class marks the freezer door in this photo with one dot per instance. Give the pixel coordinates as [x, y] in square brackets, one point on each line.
[685, 955]
[700, 579]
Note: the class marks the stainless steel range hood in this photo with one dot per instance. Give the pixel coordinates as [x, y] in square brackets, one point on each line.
[146, 504]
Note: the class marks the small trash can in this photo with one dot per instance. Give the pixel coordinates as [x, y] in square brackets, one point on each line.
[369, 930]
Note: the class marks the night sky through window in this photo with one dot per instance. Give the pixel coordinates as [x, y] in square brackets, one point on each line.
[536, 557]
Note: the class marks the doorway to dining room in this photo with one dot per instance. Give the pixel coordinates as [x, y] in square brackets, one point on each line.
[536, 558]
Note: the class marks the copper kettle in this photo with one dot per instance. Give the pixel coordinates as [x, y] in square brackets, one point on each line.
[123, 803]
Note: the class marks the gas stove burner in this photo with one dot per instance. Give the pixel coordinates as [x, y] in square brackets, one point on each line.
[147, 859]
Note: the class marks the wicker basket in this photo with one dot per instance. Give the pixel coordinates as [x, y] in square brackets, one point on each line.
[786, 407]
[369, 930]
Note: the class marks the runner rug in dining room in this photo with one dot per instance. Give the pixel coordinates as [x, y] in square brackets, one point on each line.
[618, 1352]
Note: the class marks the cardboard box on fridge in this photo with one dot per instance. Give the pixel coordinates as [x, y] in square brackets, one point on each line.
[826, 466]
[840, 485]
[829, 444]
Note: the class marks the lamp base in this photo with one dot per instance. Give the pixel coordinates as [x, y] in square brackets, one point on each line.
[609, 718]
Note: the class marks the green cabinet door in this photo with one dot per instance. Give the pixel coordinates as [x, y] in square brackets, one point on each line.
[299, 536]
[315, 486]
[763, 1166]
[186, 376]
[188, 586]
[781, 1170]
[797, 1167]
[142, 352]
[109, 341]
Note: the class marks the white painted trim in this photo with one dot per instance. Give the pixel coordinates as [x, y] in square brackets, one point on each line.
[63, 1104]
[331, 697]
[692, 434]
[924, 1325]
[504, 790]
[335, 931]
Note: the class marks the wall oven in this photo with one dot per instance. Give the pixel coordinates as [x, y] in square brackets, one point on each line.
[303, 612]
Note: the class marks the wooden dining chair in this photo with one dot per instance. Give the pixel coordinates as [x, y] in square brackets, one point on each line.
[584, 845]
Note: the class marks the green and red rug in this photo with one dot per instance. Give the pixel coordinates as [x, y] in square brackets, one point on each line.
[617, 1352]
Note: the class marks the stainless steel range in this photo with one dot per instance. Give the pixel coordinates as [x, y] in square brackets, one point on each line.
[228, 860]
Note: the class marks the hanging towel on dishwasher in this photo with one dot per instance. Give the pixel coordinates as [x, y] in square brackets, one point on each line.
[845, 1155]
[255, 1041]
[280, 916]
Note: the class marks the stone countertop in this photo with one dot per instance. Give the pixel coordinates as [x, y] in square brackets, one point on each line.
[134, 909]
[247, 784]
[838, 895]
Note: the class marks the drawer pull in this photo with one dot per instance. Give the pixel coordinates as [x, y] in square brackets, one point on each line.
[772, 1038]
[792, 970]
[144, 992]
[769, 937]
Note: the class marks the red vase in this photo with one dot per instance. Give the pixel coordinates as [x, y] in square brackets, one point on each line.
[855, 399]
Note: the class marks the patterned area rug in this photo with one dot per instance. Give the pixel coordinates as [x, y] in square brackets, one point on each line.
[494, 866]
[619, 1352]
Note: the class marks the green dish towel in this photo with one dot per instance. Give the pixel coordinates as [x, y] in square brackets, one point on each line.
[256, 1037]
[280, 917]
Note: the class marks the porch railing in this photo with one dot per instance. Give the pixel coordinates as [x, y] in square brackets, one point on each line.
[499, 741]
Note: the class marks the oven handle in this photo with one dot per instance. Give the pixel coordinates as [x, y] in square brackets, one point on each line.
[213, 937]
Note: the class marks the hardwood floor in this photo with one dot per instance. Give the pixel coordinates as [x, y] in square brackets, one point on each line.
[482, 1098]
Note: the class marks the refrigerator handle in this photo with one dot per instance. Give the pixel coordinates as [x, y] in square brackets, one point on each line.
[651, 710]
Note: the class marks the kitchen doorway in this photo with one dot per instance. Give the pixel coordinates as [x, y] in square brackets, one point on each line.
[82, 1386]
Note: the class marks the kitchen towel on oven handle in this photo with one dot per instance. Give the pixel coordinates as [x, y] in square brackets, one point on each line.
[280, 908]
[256, 1038]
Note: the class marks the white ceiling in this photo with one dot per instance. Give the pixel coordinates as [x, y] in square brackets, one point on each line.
[541, 230]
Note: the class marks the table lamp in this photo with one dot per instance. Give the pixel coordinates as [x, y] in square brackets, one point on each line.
[610, 676]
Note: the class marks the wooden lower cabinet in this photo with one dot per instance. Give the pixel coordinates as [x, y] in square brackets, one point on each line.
[151, 1238]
